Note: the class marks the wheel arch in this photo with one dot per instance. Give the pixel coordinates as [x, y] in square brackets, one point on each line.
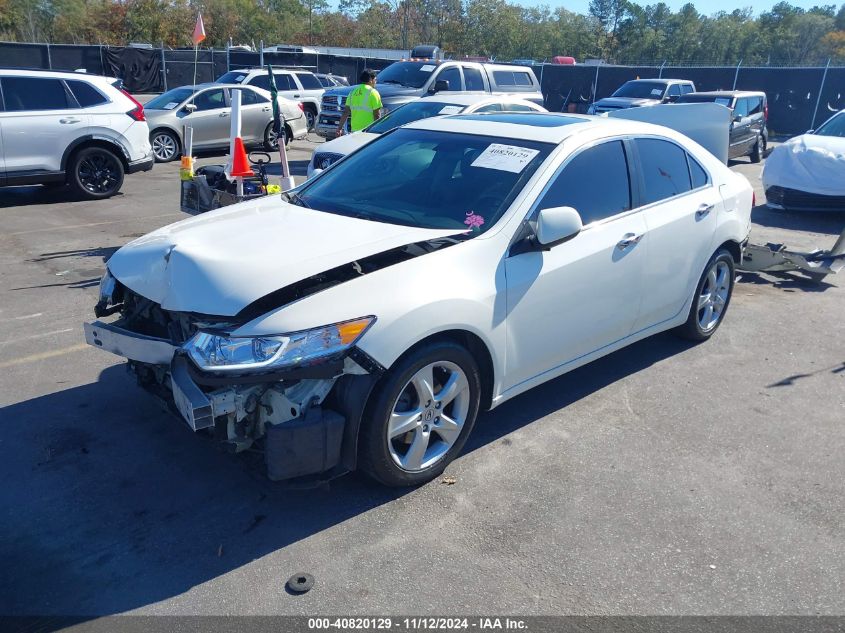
[167, 128]
[84, 142]
[354, 394]
[734, 248]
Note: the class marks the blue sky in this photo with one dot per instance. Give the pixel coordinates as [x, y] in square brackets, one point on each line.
[711, 6]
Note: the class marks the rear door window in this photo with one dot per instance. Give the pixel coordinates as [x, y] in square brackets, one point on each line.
[595, 183]
[250, 97]
[473, 79]
[755, 105]
[309, 81]
[664, 170]
[86, 94]
[24, 94]
[741, 108]
[697, 173]
[285, 82]
[674, 90]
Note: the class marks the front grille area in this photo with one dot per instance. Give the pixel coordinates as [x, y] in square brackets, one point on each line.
[143, 316]
[332, 104]
[796, 200]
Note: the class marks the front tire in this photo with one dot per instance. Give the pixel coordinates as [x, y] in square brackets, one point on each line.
[711, 298]
[95, 173]
[422, 412]
[165, 146]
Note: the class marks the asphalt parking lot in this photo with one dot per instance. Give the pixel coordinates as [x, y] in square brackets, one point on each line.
[667, 478]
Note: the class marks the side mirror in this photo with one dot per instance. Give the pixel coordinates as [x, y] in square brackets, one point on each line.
[672, 98]
[810, 132]
[316, 172]
[441, 85]
[737, 118]
[190, 107]
[557, 224]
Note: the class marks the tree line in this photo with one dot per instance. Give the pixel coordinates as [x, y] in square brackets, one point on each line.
[618, 31]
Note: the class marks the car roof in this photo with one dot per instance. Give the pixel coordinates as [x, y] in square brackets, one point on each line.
[727, 93]
[470, 99]
[660, 81]
[54, 74]
[276, 69]
[533, 126]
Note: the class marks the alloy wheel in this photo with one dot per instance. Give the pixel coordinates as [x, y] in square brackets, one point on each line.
[99, 173]
[713, 296]
[428, 416]
[164, 147]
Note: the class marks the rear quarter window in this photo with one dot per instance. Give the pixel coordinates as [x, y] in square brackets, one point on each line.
[86, 94]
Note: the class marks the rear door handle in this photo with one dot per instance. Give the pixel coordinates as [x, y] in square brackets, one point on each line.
[296, 96]
[265, 109]
[629, 240]
[703, 210]
[69, 120]
[223, 114]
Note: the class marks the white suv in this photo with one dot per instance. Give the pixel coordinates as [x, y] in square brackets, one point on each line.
[299, 85]
[60, 128]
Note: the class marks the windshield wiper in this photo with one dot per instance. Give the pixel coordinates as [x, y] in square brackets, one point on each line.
[296, 199]
[393, 81]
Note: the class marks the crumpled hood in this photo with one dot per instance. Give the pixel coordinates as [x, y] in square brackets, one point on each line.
[220, 262]
[810, 162]
[625, 102]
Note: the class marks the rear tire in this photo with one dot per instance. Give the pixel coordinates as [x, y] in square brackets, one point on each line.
[270, 141]
[95, 173]
[711, 299]
[310, 117]
[420, 415]
[758, 151]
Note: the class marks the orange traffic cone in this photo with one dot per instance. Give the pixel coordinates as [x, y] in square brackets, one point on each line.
[240, 163]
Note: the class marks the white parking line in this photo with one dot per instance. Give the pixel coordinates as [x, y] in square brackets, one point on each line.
[34, 358]
[32, 336]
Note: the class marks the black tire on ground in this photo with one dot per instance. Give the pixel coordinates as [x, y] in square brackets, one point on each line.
[758, 151]
[95, 173]
[270, 144]
[374, 454]
[692, 329]
[162, 155]
[310, 117]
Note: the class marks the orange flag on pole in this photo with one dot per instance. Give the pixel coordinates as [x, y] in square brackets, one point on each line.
[199, 31]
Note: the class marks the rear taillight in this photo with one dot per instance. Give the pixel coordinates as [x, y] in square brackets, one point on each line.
[301, 107]
[766, 113]
[753, 199]
[137, 112]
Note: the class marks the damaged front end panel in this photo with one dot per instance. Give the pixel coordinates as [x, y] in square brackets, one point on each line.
[284, 411]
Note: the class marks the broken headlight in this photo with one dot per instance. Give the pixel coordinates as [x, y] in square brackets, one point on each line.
[110, 296]
[215, 352]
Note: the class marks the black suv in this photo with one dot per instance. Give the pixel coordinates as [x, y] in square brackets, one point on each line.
[749, 114]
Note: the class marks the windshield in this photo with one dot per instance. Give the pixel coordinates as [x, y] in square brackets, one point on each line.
[410, 74]
[834, 126]
[641, 90]
[427, 179]
[233, 77]
[413, 111]
[169, 99]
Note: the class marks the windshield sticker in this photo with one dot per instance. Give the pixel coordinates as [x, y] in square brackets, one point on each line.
[656, 92]
[427, 68]
[450, 110]
[505, 157]
[473, 221]
[171, 105]
[239, 78]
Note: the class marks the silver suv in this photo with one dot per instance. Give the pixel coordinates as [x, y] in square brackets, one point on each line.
[61, 128]
[299, 85]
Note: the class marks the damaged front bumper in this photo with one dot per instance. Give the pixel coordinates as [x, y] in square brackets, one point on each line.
[302, 422]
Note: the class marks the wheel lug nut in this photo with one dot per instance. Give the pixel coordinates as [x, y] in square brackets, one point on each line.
[428, 404]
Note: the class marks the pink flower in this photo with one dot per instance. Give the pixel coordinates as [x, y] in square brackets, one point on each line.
[473, 221]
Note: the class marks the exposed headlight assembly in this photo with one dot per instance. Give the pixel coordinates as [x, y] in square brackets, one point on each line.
[220, 353]
[110, 296]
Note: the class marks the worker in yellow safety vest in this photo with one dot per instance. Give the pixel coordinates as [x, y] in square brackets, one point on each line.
[363, 104]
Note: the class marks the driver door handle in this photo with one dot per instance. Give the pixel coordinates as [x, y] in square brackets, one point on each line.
[69, 120]
[629, 240]
[266, 109]
[222, 114]
[703, 210]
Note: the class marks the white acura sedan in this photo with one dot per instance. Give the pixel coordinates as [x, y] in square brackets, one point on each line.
[365, 318]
